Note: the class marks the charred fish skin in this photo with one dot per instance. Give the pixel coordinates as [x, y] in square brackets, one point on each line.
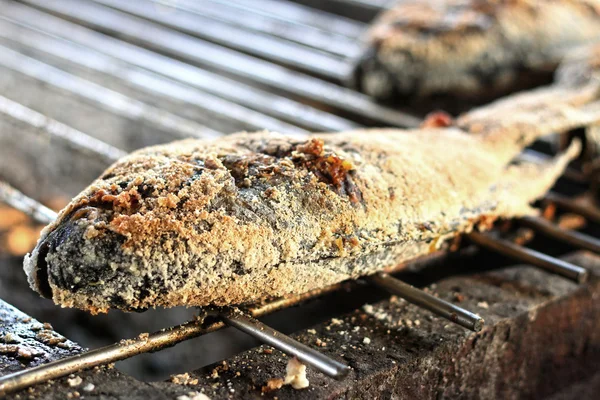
[469, 48]
[251, 216]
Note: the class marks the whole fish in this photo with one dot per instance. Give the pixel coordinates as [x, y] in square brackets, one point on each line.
[471, 48]
[252, 216]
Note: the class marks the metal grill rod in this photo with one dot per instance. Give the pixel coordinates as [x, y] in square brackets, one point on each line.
[294, 12]
[167, 338]
[266, 23]
[103, 97]
[254, 98]
[267, 47]
[105, 355]
[216, 107]
[18, 200]
[242, 66]
[535, 258]
[76, 140]
[574, 238]
[587, 211]
[274, 338]
[422, 299]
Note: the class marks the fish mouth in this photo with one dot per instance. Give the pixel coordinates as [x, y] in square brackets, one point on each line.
[40, 280]
[60, 257]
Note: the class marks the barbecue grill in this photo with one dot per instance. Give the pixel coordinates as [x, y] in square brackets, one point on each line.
[84, 82]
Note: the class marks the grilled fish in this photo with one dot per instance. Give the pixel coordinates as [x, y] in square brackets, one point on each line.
[251, 216]
[470, 48]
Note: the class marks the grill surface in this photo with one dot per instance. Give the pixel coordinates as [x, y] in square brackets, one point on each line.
[84, 82]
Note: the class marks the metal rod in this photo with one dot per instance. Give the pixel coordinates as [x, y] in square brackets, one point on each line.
[32, 208]
[214, 110]
[573, 238]
[299, 14]
[104, 355]
[134, 56]
[102, 97]
[535, 258]
[267, 23]
[73, 138]
[436, 305]
[212, 56]
[167, 338]
[588, 211]
[272, 337]
[264, 46]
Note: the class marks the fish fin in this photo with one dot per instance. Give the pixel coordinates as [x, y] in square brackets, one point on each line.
[525, 182]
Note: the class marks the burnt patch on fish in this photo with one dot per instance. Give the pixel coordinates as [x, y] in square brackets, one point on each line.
[278, 160]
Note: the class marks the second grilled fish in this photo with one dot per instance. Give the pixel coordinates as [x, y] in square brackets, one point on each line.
[471, 48]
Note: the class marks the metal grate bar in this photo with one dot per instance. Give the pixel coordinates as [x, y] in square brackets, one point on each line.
[291, 11]
[105, 355]
[75, 139]
[440, 307]
[574, 238]
[100, 96]
[535, 258]
[166, 338]
[242, 66]
[247, 96]
[274, 338]
[369, 4]
[585, 210]
[364, 11]
[215, 107]
[271, 48]
[18, 200]
[266, 23]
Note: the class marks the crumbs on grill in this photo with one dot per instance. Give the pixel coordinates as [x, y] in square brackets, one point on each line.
[184, 379]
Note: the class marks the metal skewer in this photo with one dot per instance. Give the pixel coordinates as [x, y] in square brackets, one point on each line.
[535, 258]
[436, 305]
[266, 46]
[167, 338]
[18, 200]
[212, 56]
[74, 139]
[566, 203]
[270, 336]
[105, 355]
[574, 238]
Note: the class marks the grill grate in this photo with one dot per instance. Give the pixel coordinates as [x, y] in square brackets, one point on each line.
[180, 69]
